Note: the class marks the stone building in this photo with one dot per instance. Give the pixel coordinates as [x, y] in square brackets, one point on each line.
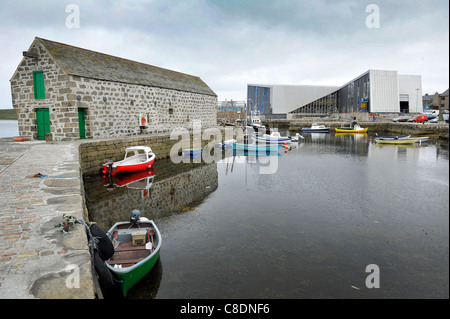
[62, 92]
[443, 100]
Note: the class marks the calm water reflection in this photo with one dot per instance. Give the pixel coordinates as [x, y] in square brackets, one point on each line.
[9, 128]
[335, 205]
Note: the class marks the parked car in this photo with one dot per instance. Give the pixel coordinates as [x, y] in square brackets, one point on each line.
[421, 118]
[401, 119]
[435, 120]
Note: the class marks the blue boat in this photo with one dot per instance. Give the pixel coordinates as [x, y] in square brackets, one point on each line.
[315, 128]
[192, 152]
[260, 147]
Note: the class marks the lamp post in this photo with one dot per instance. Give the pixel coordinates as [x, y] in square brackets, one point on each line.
[417, 100]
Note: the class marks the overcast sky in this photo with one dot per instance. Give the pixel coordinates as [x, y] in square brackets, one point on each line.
[229, 43]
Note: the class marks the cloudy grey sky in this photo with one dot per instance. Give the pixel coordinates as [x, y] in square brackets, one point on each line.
[229, 43]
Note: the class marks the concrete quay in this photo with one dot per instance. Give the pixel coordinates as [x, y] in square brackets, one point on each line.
[36, 259]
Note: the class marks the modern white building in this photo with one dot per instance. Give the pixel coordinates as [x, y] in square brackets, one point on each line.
[375, 91]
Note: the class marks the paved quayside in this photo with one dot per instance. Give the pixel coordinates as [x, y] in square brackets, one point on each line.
[36, 259]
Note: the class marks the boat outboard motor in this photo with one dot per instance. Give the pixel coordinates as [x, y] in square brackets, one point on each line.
[134, 217]
[109, 165]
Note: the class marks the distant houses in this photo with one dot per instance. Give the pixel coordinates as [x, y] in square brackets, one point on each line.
[64, 92]
[436, 101]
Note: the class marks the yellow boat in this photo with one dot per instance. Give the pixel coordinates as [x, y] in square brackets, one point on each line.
[396, 142]
[354, 129]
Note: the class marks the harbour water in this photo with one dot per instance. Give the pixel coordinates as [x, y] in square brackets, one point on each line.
[8, 128]
[334, 205]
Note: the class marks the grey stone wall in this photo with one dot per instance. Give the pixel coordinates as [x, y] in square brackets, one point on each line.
[119, 115]
[24, 103]
[112, 109]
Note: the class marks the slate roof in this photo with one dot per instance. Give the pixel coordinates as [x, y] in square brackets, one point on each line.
[445, 93]
[96, 65]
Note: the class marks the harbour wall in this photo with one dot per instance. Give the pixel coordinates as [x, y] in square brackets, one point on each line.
[380, 126]
[94, 153]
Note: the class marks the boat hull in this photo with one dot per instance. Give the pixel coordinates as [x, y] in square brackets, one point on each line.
[261, 147]
[280, 140]
[317, 130]
[396, 137]
[343, 130]
[191, 152]
[127, 168]
[130, 276]
[396, 142]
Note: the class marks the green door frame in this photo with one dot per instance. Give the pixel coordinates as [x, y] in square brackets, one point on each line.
[82, 122]
[42, 122]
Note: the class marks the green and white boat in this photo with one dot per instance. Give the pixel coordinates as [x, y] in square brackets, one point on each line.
[136, 249]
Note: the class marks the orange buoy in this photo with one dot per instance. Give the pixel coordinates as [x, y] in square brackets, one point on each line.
[20, 139]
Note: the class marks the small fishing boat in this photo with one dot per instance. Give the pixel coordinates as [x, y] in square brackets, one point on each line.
[315, 128]
[393, 137]
[352, 129]
[274, 137]
[256, 122]
[137, 158]
[192, 151]
[137, 244]
[259, 147]
[402, 141]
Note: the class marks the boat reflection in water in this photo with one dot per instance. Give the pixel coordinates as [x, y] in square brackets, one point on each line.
[137, 180]
[159, 192]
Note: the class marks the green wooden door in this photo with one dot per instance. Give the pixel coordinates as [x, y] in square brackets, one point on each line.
[42, 123]
[81, 123]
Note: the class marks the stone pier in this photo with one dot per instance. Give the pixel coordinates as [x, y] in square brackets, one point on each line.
[36, 259]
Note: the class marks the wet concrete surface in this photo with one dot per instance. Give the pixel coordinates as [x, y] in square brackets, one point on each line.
[36, 259]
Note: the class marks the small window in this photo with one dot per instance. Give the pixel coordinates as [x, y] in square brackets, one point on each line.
[38, 84]
[170, 110]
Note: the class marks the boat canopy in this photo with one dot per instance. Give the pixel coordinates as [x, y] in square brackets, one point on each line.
[146, 149]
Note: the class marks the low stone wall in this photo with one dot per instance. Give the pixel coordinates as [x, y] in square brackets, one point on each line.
[94, 153]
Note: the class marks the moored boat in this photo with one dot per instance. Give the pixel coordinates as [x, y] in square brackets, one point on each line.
[315, 128]
[393, 137]
[256, 122]
[259, 147]
[274, 137]
[137, 245]
[137, 158]
[402, 141]
[352, 129]
[192, 151]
